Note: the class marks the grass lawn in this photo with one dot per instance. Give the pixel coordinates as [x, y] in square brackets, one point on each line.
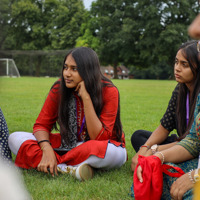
[143, 103]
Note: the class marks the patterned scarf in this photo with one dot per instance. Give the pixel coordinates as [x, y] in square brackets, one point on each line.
[72, 132]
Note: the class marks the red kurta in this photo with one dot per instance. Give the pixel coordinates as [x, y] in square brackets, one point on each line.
[30, 154]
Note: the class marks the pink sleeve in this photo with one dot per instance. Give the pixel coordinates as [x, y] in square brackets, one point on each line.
[109, 113]
[49, 113]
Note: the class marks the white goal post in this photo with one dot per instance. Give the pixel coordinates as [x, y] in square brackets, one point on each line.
[8, 68]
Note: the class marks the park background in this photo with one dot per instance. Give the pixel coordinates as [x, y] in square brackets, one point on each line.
[141, 35]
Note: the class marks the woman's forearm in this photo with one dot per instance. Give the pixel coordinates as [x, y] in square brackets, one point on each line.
[40, 136]
[158, 136]
[175, 154]
[93, 123]
[166, 146]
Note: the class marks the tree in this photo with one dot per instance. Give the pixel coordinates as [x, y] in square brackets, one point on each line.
[49, 24]
[176, 16]
[113, 18]
[104, 30]
[6, 22]
[42, 25]
[88, 38]
[66, 24]
[139, 33]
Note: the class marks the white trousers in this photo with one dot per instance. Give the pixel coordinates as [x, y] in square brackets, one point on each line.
[115, 156]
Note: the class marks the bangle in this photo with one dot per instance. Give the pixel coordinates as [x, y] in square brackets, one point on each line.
[44, 141]
[145, 146]
[163, 157]
[190, 176]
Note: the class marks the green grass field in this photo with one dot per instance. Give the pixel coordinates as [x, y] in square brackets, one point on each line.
[143, 102]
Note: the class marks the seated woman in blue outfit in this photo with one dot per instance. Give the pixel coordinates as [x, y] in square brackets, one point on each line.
[185, 153]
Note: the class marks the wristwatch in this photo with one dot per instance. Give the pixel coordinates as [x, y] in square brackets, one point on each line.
[154, 148]
[196, 175]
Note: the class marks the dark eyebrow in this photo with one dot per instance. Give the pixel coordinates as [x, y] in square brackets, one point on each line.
[182, 61]
[66, 65]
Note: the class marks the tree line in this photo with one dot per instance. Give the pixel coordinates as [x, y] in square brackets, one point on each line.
[143, 35]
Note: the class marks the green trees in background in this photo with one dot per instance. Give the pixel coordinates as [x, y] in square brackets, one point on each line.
[143, 35]
[40, 25]
[140, 34]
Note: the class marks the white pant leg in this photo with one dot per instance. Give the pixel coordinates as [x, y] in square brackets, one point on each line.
[16, 139]
[115, 157]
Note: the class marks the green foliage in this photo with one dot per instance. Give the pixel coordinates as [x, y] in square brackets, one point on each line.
[66, 24]
[142, 34]
[37, 25]
[143, 102]
[41, 25]
[88, 38]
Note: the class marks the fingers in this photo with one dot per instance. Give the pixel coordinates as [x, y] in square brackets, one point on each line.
[51, 169]
[178, 189]
[174, 191]
[42, 168]
[139, 173]
[46, 169]
[55, 170]
[77, 87]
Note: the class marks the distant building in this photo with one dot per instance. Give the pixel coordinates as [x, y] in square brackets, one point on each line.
[122, 72]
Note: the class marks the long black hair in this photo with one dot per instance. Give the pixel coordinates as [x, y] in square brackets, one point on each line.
[190, 53]
[89, 69]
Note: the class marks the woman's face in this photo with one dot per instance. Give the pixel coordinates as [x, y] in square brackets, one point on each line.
[182, 70]
[70, 73]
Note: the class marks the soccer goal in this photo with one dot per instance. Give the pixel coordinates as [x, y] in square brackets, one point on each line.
[8, 68]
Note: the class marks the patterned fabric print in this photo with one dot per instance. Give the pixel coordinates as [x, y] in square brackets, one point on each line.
[191, 141]
[168, 120]
[4, 149]
[168, 180]
[72, 125]
[197, 127]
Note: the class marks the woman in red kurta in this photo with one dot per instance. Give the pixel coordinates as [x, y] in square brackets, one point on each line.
[85, 105]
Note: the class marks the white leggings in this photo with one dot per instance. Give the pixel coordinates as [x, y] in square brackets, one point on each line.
[115, 156]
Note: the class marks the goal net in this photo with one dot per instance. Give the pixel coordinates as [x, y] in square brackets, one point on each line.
[8, 68]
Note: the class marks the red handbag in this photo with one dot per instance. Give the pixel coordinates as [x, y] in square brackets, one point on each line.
[152, 173]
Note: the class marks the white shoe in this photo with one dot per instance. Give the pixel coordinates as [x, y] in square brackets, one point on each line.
[83, 172]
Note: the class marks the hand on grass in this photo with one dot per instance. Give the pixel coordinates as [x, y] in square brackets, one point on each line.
[48, 161]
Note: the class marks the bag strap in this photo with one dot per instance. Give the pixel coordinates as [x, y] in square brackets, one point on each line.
[166, 167]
